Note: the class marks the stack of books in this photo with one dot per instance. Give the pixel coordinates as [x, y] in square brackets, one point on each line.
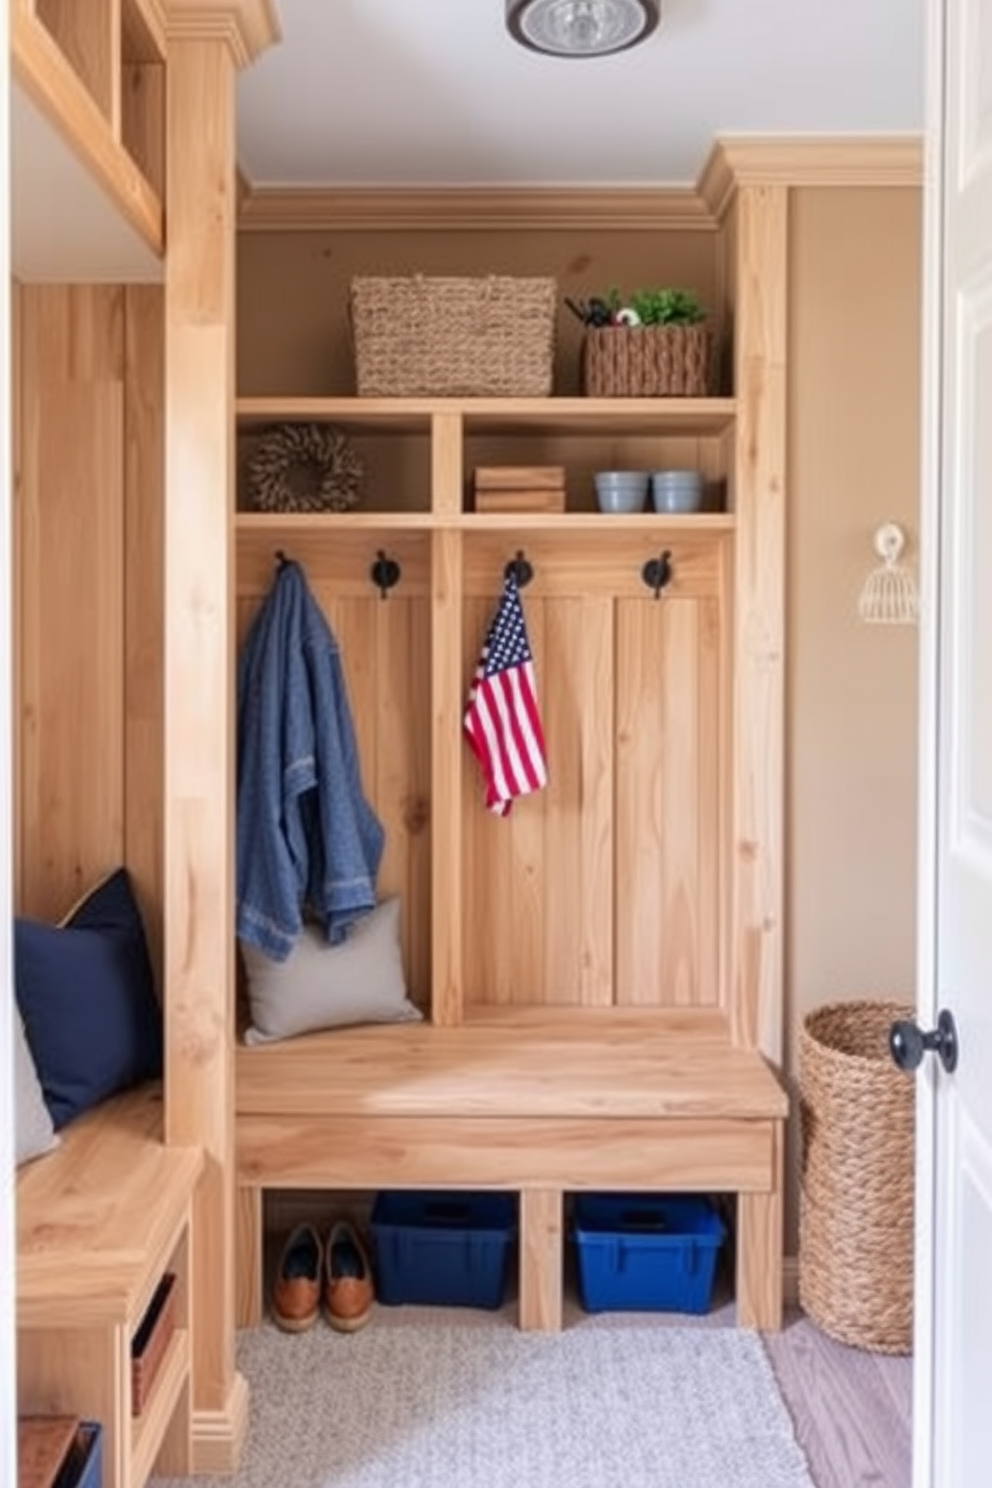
[519, 488]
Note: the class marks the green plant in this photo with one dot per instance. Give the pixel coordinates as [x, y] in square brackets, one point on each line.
[667, 306]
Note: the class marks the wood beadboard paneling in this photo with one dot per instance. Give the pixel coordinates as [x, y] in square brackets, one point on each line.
[88, 38]
[537, 895]
[143, 119]
[385, 655]
[70, 641]
[667, 851]
[605, 887]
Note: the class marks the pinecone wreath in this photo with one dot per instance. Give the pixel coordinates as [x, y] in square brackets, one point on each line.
[304, 468]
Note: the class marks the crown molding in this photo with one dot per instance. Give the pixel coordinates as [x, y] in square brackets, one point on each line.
[248, 27]
[869, 160]
[471, 209]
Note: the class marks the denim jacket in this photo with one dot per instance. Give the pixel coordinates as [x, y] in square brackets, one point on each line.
[306, 836]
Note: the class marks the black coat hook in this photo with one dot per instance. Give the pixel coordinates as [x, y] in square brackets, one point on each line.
[520, 569]
[657, 572]
[384, 573]
[281, 559]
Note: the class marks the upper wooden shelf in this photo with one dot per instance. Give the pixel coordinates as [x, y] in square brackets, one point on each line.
[97, 72]
[552, 416]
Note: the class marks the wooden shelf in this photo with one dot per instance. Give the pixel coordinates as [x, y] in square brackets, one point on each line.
[264, 529]
[596, 524]
[148, 1431]
[384, 415]
[424, 464]
[693, 417]
[269, 527]
[74, 76]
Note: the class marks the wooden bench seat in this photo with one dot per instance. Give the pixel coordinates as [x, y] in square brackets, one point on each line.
[538, 1102]
[100, 1220]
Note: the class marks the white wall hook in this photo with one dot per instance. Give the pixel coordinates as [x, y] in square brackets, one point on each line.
[889, 595]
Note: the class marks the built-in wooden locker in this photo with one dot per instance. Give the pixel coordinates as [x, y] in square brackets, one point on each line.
[604, 961]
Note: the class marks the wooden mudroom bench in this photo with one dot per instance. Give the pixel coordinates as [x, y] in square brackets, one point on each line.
[539, 1102]
[100, 1221]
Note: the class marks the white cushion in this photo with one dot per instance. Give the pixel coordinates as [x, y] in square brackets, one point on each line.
[34, 1133]
[325, 986]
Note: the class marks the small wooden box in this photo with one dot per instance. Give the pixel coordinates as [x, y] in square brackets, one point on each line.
[43, 1443]
[150, 1342]
[520, 501]
[520, 477]
[519, 488]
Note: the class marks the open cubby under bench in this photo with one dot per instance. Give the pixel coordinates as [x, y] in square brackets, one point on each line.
[534, 1101]
[101, 1220]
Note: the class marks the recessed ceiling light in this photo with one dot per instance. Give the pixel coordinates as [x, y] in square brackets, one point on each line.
[581, 28]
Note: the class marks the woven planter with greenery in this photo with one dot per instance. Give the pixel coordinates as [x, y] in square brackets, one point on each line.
[857, 1185]
[646, 361]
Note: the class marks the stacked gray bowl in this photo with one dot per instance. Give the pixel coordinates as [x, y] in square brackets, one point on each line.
[677, 490]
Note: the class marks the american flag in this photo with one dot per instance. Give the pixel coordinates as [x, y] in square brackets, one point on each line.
[502, 722]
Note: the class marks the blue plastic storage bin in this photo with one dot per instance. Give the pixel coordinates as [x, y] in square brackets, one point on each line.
[83, 1466]
[646, 1252]
[448, 1249]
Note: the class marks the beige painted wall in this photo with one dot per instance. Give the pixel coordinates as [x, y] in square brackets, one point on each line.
[854, 374]
[293, 334]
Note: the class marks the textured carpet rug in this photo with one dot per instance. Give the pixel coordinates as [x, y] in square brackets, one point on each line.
[425, 1405]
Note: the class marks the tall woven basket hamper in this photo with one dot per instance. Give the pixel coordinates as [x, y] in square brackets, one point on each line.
[857, 1185]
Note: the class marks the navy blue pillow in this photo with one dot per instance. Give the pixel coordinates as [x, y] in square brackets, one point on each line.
[88, 1001]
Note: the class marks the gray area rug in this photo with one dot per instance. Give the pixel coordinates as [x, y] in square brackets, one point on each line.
[434, 1405]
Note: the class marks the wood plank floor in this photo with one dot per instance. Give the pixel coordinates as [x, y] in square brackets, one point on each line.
[852, 1410]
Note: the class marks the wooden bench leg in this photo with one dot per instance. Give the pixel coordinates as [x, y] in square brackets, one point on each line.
[759, 1252]
[250, 1258]
[540, 1260]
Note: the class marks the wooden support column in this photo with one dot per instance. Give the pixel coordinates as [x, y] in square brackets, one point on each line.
[447, 975]
[206, 45]
[250, 1240]
[541, 1253]
[756, 942]
[759, 1249]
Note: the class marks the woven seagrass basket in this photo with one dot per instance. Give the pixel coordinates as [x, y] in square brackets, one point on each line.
[656, 361]
[856, 1196]
[453, 337]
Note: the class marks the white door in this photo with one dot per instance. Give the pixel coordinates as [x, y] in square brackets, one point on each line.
[953, 1404]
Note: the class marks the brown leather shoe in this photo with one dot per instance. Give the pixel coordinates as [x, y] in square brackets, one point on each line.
[348, 1288]
[296, 1293]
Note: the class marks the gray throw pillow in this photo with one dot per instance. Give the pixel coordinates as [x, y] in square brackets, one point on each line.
[34, 1133]
[324, 986]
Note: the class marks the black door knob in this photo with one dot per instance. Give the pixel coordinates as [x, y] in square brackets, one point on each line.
[907, 1044]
